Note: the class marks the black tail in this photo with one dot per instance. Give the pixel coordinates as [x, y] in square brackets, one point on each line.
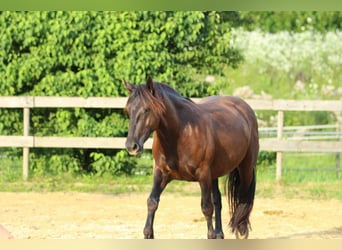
[240, 204]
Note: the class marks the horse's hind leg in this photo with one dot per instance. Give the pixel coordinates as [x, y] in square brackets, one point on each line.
[241, 192]
[217, 206]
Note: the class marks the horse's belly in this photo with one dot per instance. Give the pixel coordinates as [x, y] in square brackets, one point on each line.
[223, 167]
[228, 154]
[183, 175]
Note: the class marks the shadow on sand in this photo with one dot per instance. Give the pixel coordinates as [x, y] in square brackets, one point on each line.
[334, 233]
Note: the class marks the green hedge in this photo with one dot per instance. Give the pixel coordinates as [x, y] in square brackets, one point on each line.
[88, 54]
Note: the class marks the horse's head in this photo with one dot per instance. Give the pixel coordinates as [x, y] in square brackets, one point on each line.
[144, 110]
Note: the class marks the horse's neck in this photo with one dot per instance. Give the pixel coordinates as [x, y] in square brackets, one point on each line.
[178, 113]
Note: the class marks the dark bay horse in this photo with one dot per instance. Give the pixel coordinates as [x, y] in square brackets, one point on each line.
[197, 142]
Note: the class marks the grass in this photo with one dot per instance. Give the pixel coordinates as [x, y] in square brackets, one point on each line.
[142, 184]
[296, 181]
[301, 167]
[89, 183]
[302, 190]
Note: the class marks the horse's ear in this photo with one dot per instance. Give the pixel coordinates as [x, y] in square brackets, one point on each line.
[149, 84]
[128, 86]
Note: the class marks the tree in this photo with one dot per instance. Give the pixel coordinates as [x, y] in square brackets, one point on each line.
[88, 54]
[295, 21]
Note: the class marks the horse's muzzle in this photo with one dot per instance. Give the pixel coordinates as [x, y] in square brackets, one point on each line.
[134, 148]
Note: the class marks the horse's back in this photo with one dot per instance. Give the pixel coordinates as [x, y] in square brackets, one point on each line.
[228, 107]
[212, 102]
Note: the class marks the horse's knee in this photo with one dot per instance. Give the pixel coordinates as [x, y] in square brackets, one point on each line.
[152, 204]
[208, 210]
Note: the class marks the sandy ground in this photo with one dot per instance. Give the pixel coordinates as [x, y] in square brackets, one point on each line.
[88, 215]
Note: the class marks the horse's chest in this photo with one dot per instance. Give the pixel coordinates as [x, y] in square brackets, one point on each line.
[182, 159]
[172, 163]
[178, 167]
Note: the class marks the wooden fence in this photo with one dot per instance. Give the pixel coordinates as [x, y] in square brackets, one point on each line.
[278, 144]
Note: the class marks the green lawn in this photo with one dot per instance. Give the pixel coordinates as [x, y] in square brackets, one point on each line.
[297, 181]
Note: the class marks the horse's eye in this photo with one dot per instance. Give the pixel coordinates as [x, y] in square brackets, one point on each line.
[147, 110]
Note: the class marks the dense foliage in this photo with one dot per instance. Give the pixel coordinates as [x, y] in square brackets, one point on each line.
[55, 53]
[291, 21]
[88, 54]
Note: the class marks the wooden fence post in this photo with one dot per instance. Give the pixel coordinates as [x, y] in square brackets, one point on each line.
[337, 159]
[26, 150]
[279, 137]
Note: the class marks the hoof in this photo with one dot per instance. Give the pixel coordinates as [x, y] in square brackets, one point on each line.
[148, 234]
[219, 235]
[211, 236]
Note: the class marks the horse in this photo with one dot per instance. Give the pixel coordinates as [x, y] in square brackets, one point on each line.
[197, 142]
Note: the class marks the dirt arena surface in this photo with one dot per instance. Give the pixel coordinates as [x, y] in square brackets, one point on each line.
[87, 215]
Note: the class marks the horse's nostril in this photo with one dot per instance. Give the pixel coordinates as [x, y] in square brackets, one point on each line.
[135, 147]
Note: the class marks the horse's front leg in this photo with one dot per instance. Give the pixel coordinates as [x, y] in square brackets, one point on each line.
[207, 206]
[159, 183]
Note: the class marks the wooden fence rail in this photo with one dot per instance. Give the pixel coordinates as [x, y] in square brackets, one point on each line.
[278, 144]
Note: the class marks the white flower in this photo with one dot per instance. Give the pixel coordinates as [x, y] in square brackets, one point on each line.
[288, 52]
[210, 79]
[299, 86]
[328, 90]
[339, 91]
[244, 92]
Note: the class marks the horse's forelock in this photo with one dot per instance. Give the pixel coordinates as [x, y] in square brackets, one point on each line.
[153, 100]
